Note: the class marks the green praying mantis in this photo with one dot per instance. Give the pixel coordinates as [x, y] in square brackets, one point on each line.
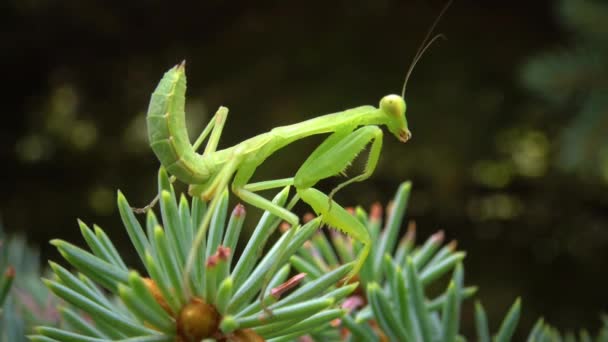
[209, 173]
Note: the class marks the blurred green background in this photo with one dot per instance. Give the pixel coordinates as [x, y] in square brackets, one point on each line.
[510, 147]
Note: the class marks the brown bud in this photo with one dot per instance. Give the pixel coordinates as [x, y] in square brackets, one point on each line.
[289, 284]
[239, 210]
[245, 335]
[438, 237]
[158, 296]
[389, 208]
[411, 230]
[10, 272]
[382, 336]
[353, 302]
[197, 320]
[351, 280]
[221, 254]
[453, 245]
[308, 217]
[375, 212]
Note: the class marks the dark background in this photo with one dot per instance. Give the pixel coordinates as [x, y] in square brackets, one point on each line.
[485, 157]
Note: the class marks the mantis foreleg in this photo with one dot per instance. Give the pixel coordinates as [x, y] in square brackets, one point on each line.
[372, 160]
[331, 158]
[322, 163]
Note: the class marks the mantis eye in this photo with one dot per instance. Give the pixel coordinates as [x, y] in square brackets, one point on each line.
[393, 105]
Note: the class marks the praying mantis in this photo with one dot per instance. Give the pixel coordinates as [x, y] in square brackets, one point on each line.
[210, 173]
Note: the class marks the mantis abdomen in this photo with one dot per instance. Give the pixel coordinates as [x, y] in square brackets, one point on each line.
[167, 131]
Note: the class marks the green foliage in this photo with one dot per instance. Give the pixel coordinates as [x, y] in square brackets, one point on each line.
[217, 299]
[575, 79]
[24, 300]
[396, 280]
[391, 300]
[542, 331]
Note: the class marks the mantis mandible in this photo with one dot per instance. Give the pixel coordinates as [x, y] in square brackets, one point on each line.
[210, 173]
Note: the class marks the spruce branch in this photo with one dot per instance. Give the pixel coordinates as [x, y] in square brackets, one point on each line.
[217, 300]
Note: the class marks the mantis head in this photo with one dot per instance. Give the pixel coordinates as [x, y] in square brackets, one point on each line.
[393, 107]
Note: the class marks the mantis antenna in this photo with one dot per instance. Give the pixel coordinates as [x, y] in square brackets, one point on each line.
[426, 43]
